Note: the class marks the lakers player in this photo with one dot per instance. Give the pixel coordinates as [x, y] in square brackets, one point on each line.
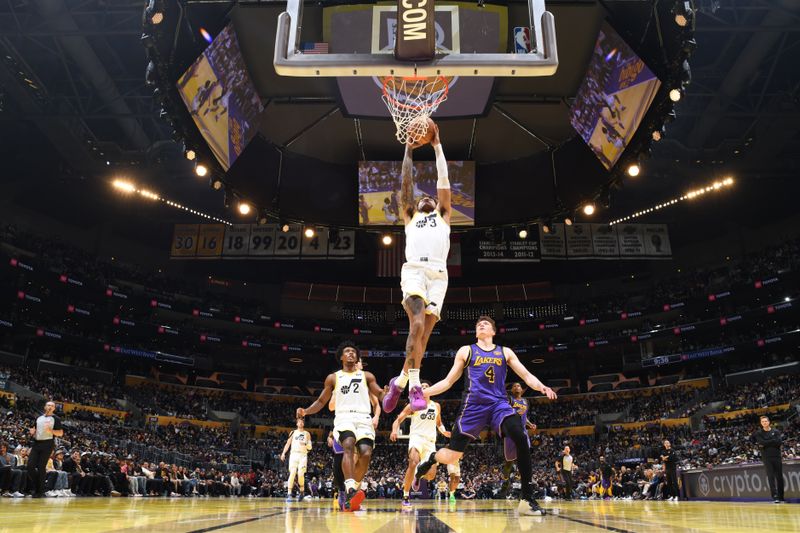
[520, 405]
[421, 439]
[300, 441]
[423, 278]
[485, 405]
[352, 424]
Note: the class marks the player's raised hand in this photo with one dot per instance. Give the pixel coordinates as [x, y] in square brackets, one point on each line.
[550, 393]
[301, 413]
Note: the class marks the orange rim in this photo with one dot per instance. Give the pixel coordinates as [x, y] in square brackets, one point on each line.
[427, 104]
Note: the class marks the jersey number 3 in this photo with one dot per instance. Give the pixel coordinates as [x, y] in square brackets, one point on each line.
[490, 374]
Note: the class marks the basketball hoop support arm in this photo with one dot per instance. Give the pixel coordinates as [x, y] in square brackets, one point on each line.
[542, 60]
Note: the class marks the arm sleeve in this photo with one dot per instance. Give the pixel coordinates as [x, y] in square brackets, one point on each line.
[441, 168]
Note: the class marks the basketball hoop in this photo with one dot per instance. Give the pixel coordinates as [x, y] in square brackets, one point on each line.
[411, 101]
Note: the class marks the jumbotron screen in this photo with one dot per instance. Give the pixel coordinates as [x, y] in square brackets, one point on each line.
[221, 98]
[616, 93]
[379, 194]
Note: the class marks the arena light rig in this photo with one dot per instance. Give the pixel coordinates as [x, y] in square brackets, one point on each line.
[691, 195]
[129, 188]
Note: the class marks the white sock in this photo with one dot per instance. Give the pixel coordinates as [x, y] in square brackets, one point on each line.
[349, 484]
[405, 494]
[401, 380]
[413, 377]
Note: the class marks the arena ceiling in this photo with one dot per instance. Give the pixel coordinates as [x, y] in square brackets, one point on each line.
[72, 79]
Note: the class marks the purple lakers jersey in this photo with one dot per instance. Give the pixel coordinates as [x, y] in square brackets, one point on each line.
[520, 406]
[485, 377]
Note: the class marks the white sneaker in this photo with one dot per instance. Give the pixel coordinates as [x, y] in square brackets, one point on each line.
[529, 508]
[17, 494]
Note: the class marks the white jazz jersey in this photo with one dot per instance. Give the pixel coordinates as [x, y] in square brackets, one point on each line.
[427, 239]
[423, 423]
[351, 395]
[300, 441]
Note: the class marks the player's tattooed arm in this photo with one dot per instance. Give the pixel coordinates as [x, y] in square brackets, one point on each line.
[407, 185]
[324, 397]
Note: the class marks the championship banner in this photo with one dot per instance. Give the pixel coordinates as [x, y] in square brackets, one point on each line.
[604, 241]
[631, 240]
[739, 483]
[253, 241]
[554, 243]
[508, 247]
[579, 241]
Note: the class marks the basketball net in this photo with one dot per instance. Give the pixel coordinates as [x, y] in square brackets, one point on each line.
[411, 101]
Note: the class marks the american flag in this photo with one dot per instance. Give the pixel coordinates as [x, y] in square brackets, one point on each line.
[314, 48]
[391, 258]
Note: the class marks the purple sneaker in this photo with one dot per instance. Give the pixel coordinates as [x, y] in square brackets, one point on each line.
[342, 500]
[416, 398]
[392, 397]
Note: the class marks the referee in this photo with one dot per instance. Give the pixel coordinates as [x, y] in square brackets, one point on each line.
[769, 440]
[47, 427]
[564, 466]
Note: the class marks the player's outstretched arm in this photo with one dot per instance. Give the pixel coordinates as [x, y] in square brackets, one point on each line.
[324, 397]
[444, 385]
[443, 193]
[529, 379]
[407, 185]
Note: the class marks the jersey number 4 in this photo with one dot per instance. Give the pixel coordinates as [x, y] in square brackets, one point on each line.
[490, 374]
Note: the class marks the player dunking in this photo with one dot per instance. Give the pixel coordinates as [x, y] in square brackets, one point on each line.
[352, 425]
[423, 278]
[422, 439]
[520, 405]
[485, 405]
[300, 441]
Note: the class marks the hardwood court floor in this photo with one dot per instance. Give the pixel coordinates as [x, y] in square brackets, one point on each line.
[266, 515]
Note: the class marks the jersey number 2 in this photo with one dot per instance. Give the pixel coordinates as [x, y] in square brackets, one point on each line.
[490, 374]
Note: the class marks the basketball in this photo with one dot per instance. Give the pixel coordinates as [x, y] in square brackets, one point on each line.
[421, 131]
